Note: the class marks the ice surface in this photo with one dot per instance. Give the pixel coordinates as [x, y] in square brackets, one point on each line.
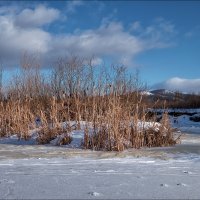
[30, 171]
[52, 172]
[89, 177]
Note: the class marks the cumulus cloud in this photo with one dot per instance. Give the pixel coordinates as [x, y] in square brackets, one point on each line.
[180, 84]
[14, 41]
[24, 31]
[160, 33]
[37, 17]
[108, 40]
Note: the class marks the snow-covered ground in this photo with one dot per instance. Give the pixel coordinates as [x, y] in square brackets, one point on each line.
[59, 173]
[184, 124]
[30, 171]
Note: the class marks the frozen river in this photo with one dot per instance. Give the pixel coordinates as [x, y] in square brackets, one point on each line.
[47, 172]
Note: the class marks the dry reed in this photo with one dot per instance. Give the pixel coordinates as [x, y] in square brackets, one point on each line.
[109, 100]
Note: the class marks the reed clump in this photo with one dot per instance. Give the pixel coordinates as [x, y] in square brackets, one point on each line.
[121, 127]
[108, 100]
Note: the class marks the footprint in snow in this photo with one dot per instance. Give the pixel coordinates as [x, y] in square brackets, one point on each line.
[187, 172]
[164, 185]
[140, 177]
[95, 194]
[7, 181]
[181, 184]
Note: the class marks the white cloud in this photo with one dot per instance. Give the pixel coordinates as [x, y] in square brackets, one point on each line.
[159, 34]
[24, 31]
[189, 34]
[41, 15]
[193, 32]
[136, 26]
[8, 9]
[109, 18]
[180, 84]
[107, 40]
[14, 40]
[72, 5]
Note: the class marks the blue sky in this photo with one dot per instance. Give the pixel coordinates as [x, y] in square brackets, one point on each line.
[160, 38]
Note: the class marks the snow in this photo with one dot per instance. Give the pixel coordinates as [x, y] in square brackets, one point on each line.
[77, 136]
[196, 115]
[184, 124]
[168, 92]
[94, 175]
[30, 171]
[148, 125]
[147, 93]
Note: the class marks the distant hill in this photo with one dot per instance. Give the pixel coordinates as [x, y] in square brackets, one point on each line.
[163, 94]
[173, 98]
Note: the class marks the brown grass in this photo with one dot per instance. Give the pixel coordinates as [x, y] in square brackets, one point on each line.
[109, 100]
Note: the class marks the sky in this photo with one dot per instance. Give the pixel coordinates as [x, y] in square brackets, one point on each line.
[161, 39]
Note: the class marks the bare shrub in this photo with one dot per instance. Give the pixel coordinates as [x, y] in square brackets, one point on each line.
[108, 99]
